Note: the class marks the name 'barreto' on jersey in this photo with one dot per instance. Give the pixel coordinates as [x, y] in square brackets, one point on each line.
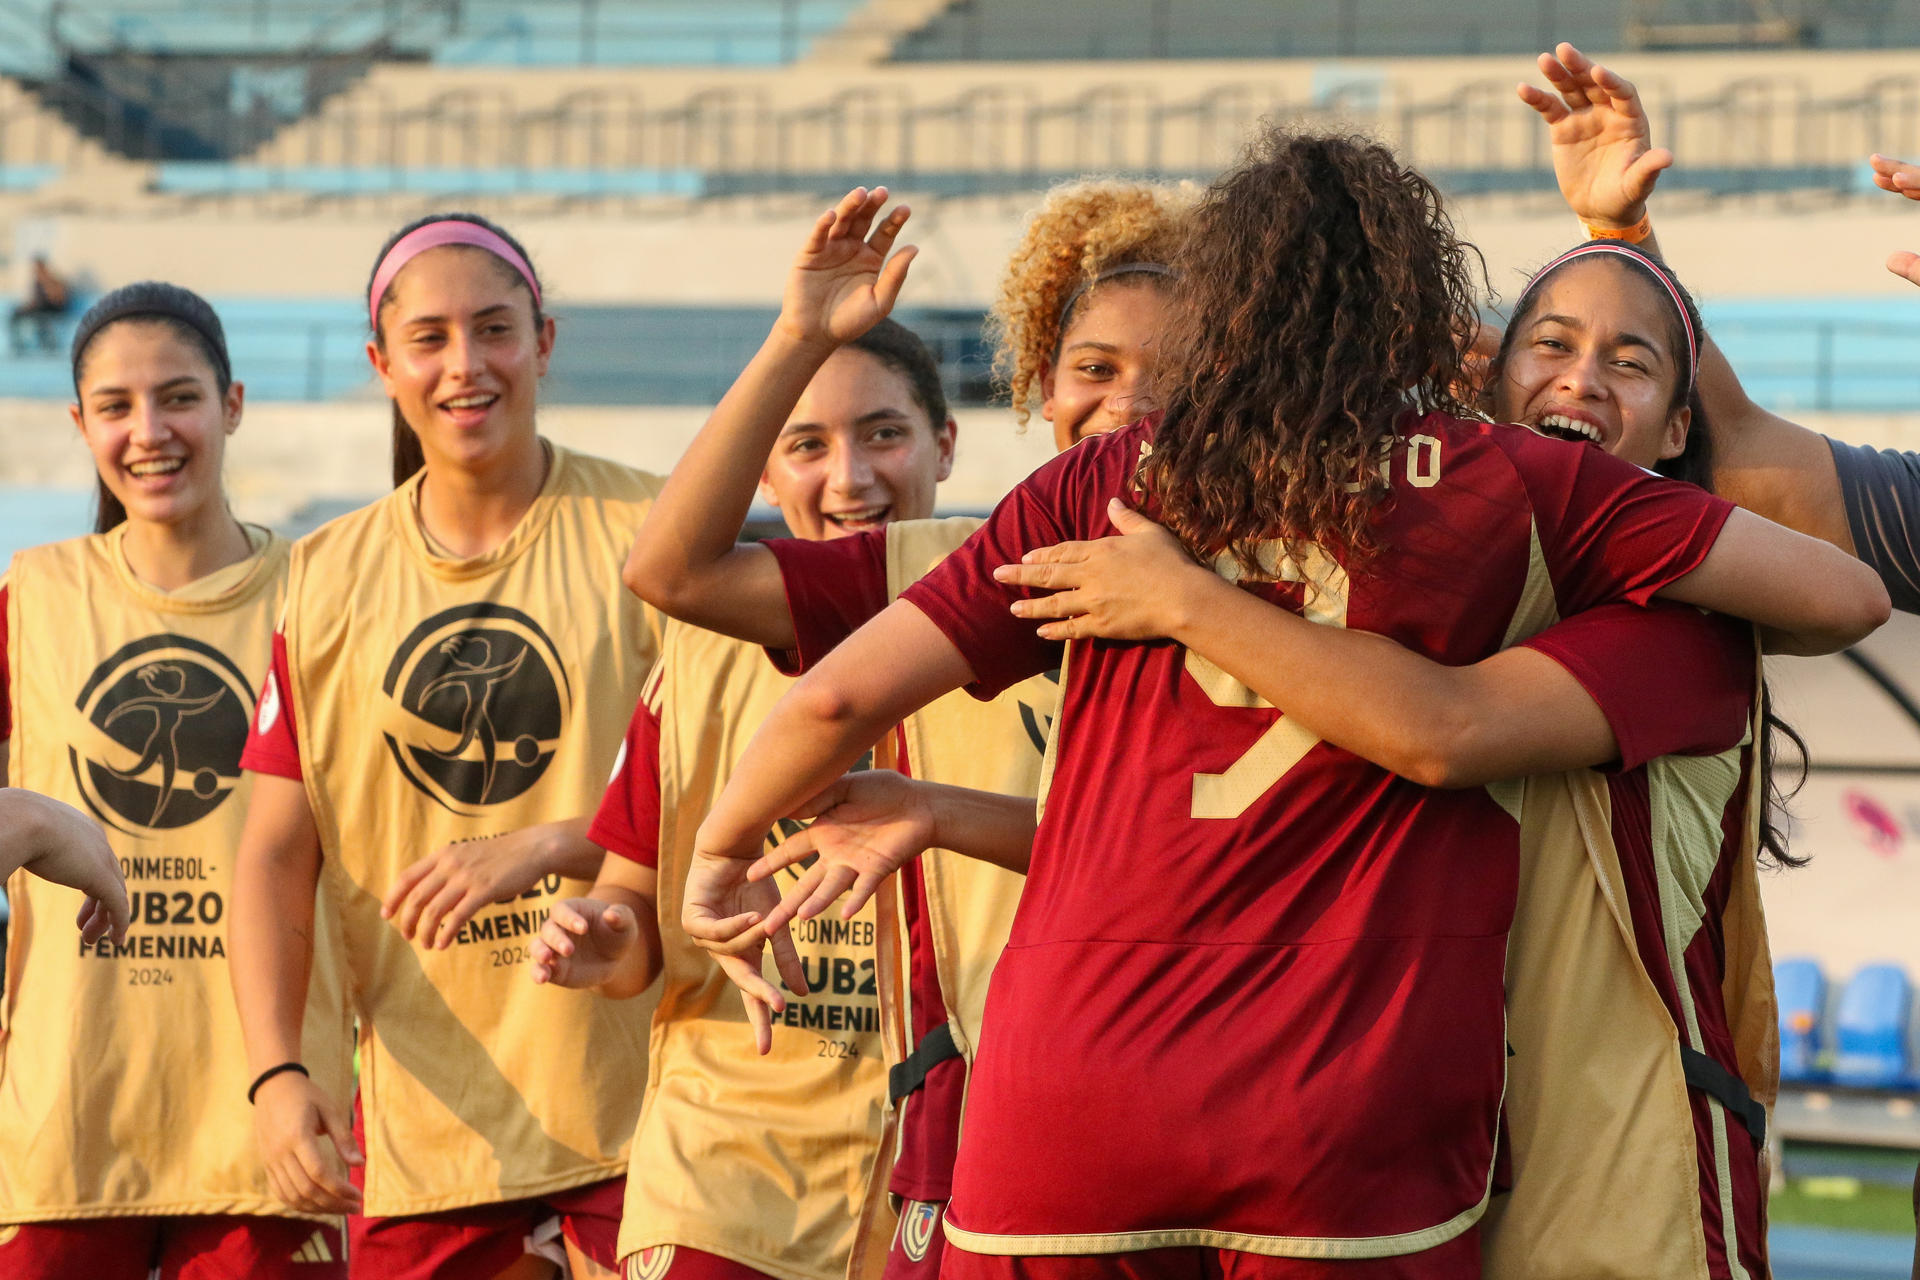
[1283, 964]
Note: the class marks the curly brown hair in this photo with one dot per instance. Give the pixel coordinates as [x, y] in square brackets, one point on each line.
[1322, 294]
[1081, 229]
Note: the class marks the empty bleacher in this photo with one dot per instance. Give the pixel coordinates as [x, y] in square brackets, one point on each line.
[1132, 29]
[1779, 125]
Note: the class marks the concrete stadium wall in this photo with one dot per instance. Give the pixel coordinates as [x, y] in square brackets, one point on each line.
[737, 252]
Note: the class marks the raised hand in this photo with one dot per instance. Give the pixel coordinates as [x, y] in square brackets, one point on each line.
[725, 914]
[843, 283]
[865, 827]
[1125, 588]
[1603, 156]
[583, 942]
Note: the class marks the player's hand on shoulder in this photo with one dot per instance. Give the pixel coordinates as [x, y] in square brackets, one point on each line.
[843, 282]
[1603, 155]
[864, 827]
[433, 898]
[1130, 587]
[306, 1142]
[582, 941]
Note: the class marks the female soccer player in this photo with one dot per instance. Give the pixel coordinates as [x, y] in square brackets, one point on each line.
[132, 656]
[440, 661]
[1076, 326]
[746, 1166]
[1291, 993]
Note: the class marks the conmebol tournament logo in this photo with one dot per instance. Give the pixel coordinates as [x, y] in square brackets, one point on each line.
[162, 725]
[477, 700]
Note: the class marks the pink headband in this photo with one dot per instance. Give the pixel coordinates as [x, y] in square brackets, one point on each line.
[1654, 269]
[433, 236]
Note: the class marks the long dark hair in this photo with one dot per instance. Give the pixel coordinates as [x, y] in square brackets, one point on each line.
[407, 457]
[183, 313]
[1694, 465]
[901, 350]
[1322, 293]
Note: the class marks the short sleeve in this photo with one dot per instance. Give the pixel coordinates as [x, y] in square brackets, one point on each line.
[1670, 679]
[6, 674]
[1880, 489]
[1065, 500]
[833, 586]
[628, 821]
[272, 745]
[1609, 530]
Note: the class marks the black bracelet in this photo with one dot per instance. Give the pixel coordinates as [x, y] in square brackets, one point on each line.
[269, 1074]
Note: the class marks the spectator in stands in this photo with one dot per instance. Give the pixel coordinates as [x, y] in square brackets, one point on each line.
[48, 298]
[442, 682]
[57, 842]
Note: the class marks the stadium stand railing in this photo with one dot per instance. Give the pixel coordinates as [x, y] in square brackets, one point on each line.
[624, 139]
[1133, 29]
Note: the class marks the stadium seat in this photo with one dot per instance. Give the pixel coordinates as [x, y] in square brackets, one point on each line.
[1800, 990]
[1870, 1029]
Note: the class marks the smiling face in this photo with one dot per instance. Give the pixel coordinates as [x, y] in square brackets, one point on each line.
[1098, 381]
[1594, 359]
[462, 355]
[155, 420]
[857, 452]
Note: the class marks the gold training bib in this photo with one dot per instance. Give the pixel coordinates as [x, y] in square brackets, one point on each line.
[765, 1160]
[443, 700]
[122, 1074]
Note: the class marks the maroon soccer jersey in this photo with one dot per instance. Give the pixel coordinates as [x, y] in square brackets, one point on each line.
[628, 820]
[1253, 995]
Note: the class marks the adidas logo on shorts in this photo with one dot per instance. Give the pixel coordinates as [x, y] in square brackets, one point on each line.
[315, 1249]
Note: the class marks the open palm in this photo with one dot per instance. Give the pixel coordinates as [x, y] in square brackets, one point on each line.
[843, 282]
[1602, 153]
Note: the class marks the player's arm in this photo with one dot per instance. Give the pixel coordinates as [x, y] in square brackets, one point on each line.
[608, 940]
[57, 842]
[1513, 714]
[306, 1139]
[888, 669]
[871, 823]
[685, 561]
[1808, 596]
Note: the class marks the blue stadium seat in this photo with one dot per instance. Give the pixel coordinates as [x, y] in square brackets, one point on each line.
[1800, 990]
[1870, 1029]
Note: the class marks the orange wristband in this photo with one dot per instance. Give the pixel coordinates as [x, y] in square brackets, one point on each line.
[1632, 235]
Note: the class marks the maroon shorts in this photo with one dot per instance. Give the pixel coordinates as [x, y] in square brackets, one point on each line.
[486, 1239]
[677, 1262]
[1458, 1259]
[186, 1247]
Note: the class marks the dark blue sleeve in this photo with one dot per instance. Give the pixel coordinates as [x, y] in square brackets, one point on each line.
[1881, 491]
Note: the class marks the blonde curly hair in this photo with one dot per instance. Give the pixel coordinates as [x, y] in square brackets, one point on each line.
[1080, 230]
